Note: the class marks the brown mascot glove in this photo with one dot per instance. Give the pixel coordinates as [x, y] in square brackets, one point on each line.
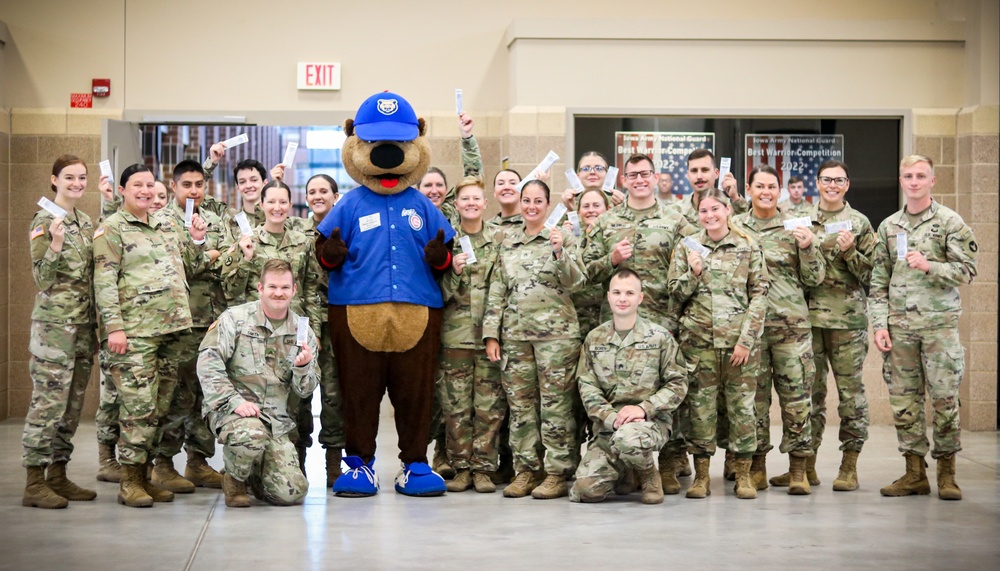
[331, 251]
[437, 254]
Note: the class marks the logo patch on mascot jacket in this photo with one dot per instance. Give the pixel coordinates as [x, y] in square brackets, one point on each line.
[416, 222]
[387, 106]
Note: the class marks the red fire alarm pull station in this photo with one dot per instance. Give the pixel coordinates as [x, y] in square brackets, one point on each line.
[102, 87]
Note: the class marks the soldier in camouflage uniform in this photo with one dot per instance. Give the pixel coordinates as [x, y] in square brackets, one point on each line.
[640, 234]
[530, 314]
[631, 378]
[796, 205]
[922, 254]
[248, 365]
[141, 295]
[505, 191]
[794, 263]
[62, 339]
[723, 291]
[184, 423]
[837, 311]
[251, 177]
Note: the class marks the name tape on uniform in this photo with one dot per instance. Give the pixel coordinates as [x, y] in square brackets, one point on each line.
[188, 212]
[245, 228]
[609, 180]
[458, 101]
[549, 160]
[290, 154]
[51, 207]
[793, 223]
[695, 246]
[556, 216]
[302, 333]
[902, 245]
[574, 219]
[574, 181]
[834, 227]
[466, 243]
[106, 171]
[725, 164]
[236, 141]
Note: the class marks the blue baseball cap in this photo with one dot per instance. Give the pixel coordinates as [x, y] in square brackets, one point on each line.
[386, 117]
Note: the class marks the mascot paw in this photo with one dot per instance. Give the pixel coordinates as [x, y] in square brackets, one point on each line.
[417, 479]
[436, 253]
[331, 251]
[359, 481]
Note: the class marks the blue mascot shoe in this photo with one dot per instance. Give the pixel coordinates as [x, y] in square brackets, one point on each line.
[359, 481]
[417, 479]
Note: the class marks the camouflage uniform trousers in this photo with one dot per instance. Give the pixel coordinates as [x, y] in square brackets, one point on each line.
[62, 357]
[331, 416]
[786, 361]
[473, 407]
[539, 378]
[145, 379]
[845, 350]
[184, 423]
[108, 430]
[633, 445]
[716, 386]
[270, 465]
[922, 361]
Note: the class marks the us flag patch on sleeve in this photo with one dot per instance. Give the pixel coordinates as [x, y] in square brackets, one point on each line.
[99, 232]
[38, 231]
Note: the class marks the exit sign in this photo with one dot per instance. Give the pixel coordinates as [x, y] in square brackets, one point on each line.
[319, 76]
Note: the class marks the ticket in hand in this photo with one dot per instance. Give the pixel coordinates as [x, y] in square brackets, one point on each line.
[51, 207]
[549, 160]
[466, 243]
[902, 245]
[236, 141]
[245, 228]
[609, 180]
[725, 163]
[188, 212]
[106, 171]
[574, 181]
[574, 219]
[834, 227]
[302, 334]
[695, 246]
[290, 154]
[793, 223]
[556, 216]
[458, 101]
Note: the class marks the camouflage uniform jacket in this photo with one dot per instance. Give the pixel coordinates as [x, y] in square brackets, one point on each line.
[790, 270]
[317, 275]
[529, 296]
[465, 295]
[140, 282]
[472, 165]
[803, 208]
[644, 369]
[207, 300]
[232, 227]
[240, 277]
[243, 359]
[840, 301]
[65, 281]
[499, 221]
[653, 233]
[726, 304]
[685, 206]
[908, 298]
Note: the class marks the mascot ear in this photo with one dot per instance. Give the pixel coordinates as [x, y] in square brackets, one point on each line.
[422, 126]
[349, 127]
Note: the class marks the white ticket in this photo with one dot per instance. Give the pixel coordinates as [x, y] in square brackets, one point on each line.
[902, 245]
[245, 228]
[556, 216]
[290, 154]
[466, 243]
[51, 207]
[610, 179]
[106, 171]
[834, 227]
[236, 141]
[302, 333]
[695, 246]
[549, 160]
[574, 181]
[188, 212]
[458, 101]
[724, 165]
[574, 219]
[793, 223]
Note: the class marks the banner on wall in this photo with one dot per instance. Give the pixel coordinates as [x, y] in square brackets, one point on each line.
[669, 151]
[794, 155]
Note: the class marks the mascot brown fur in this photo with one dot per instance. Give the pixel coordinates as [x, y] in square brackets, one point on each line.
[384, 245]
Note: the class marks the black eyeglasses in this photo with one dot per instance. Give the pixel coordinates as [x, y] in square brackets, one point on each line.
[840, 180]
[636, 174]
[597, 169]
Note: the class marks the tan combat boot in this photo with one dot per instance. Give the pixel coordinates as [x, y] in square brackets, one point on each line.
[333, 469]
[744, 488]
[811, 476]
[461, 482]
[440, 463]
[483, 483]
[155, 491]
[55, 478]
[758, 472]
[702, 485]
[109, 470]
[652, 486]
[729, 468]
[947, 488]
[798, 485]
[627, 482]
[847, 477]
[165, 476]
[668, 474]
[235, 492]
[131, 491]
[683, 465]
[37, 494]
[913, 482]
[553, 487]
[198, 472]
[522, 485]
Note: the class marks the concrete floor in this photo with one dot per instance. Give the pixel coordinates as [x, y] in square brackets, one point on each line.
[827, 530]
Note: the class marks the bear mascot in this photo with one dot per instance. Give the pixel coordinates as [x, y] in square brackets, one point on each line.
[385, 245]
